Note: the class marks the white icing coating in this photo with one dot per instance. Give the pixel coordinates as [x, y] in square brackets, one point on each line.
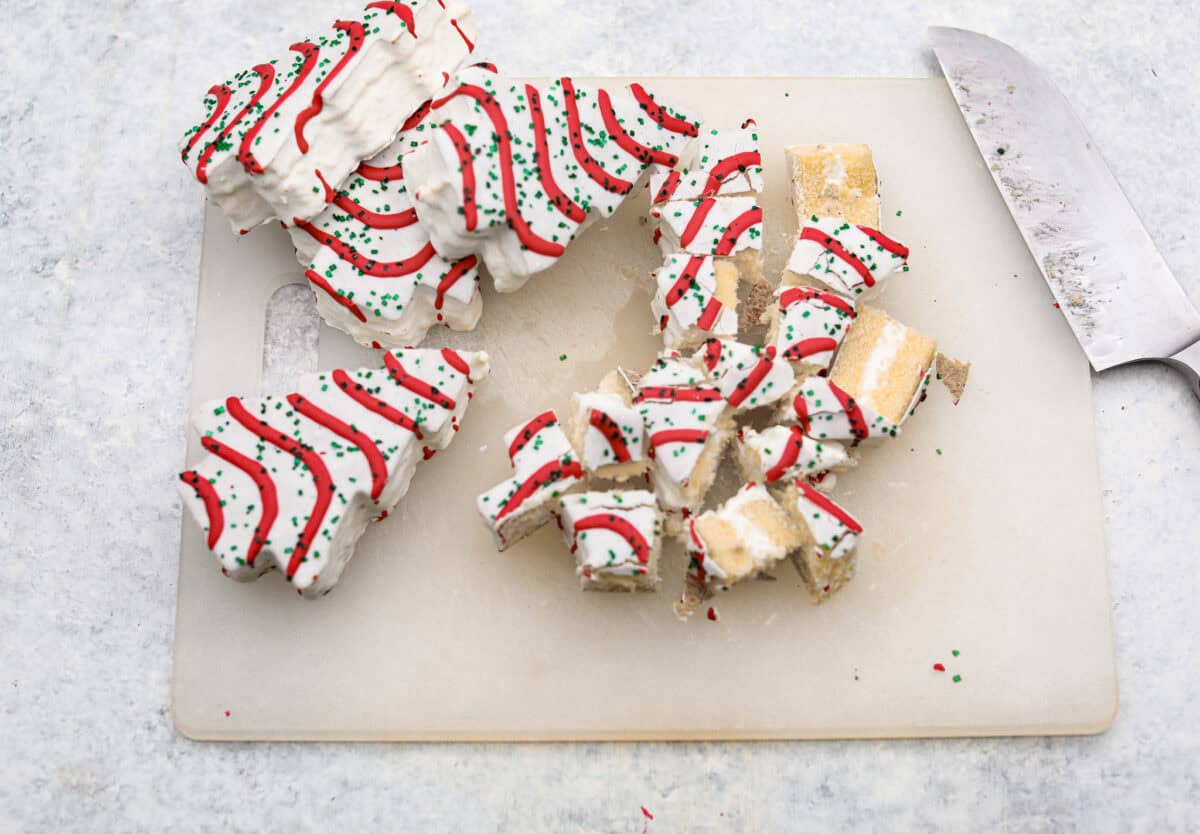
[681, 412]
[826, 412]
[615, 432]
[613, 534]
[921, 392]
[505, 174]
[728, 162]
[544, 467]
[331, 457]
[699, 563]
[848, 258]
[749, 376]
[272, 135]
[811, 324]
[834, 531]
[720, 226]
[685, 302]
[784, 453]
[373, 269]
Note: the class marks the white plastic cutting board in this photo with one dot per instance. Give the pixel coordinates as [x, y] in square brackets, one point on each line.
[984, 520]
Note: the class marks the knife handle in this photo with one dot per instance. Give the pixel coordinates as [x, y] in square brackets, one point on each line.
[1187, 362]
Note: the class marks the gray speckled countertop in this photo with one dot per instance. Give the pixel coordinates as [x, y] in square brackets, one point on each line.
[101, 232]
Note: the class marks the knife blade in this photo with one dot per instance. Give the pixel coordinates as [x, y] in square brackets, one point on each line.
[1105, 272]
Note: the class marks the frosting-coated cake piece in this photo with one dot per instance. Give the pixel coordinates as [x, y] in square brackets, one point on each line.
[687, 427]
[514, 171]
[291, 482]
[616, 538]
[749, 376]
[824, 411]
[847, 258]
[747, 535]
[717, 226]
[695, 298]
[727, 162]
[884, 364]
[785, 453]
[834, 181]
[544, 468]
[607, 432]
[373, 269]
[826, 559]
[275, 136]
[806, 325]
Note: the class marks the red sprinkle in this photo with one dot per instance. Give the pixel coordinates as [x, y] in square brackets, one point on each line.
[938, 667]
[646, 813]
[226, 713]
[1056, 307]
[712, 614]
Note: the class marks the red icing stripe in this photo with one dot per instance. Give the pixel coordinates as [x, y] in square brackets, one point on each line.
[457, 363]
[684, 282]
[415, 384]
[709, 317]
[463, 35]
[222, 94]
[611, 431]
[800, 407]
[757, 374]
[645, 154]
[466, 164]
[266, 74]
[400, 10]
[858, 423]
[357, 35]
[712, 353]
[457, 271]
[246, 148]
[666, 393]
[826, 504]
[553, 471]
[895, 247]
[512, 206]
[608, 182]
[266, 491]
[696, 223]
[660, 115]
[622, 527]
[322, 481]
[810, 347]
[668, 188]
[734, 230]
[662, 438]
[368, 266]
[375, 460]
[319, 281]
[834, 246]
[569, 208]
[357, 392]
[795, 295]
[530, 430]
[380, 173]
[212, 504]
[727, 167]
[417, 116]
[791, 453]
[373, 219]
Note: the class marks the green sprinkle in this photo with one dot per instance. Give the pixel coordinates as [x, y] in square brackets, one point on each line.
[562, 357]
[954, 652]
[899, 213]
[939, 451]
[958, 678]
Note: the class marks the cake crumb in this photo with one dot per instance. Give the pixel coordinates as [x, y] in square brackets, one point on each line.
[953, 374]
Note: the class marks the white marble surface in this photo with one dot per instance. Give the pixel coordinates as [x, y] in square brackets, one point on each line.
[100, 223]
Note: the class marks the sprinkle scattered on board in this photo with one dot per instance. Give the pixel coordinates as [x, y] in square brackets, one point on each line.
[562, 357]
[939, 451]
[646, 823]
[939, 667]
[899, 212]
[227, 713]
[713, 615]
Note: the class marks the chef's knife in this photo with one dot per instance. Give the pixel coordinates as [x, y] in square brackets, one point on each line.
[1102, 267]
